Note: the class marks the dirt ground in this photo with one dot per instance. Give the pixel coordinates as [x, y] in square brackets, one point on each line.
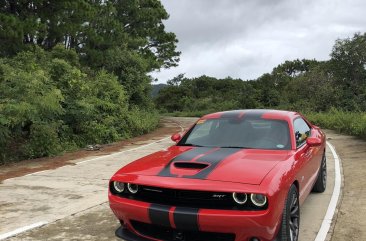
[16, 169]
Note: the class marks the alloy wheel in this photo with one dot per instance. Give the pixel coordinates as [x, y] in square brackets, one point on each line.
[294, 218]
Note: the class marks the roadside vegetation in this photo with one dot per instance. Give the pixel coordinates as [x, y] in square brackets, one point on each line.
[332, 94]
[351, 123]
[75, 72]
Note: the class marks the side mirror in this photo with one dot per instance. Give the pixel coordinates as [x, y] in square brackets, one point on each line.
[176, 137]
[313, 141]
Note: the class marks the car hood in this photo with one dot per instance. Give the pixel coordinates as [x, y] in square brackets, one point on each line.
[247, 166]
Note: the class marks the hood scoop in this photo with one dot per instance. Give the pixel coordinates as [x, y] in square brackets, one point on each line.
[190, 165]
[182, 168]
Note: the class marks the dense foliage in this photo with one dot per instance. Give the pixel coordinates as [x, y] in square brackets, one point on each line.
[48, 105]
[336, 87]
[126, 37]
[352, 123]
[75, 72]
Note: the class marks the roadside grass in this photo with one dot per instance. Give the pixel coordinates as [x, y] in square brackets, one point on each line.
[351, 123]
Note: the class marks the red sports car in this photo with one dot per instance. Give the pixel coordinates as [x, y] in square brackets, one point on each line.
[233, 176]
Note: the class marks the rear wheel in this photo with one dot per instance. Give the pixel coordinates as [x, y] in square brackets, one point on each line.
[321, 183]
[290, 225]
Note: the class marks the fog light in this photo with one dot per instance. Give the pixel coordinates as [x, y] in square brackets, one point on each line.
[258, 200]
[240, 198]
[133, 188]
[118, 186]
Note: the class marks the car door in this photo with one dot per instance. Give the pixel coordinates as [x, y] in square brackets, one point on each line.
[304, 157]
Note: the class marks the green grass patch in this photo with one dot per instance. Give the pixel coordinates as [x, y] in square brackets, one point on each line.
[351, 123]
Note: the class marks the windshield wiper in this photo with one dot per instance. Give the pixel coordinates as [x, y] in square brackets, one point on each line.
[238, 147]
[190, 144]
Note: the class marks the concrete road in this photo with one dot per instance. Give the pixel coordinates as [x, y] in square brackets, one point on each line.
[351, 223]
[70, 202]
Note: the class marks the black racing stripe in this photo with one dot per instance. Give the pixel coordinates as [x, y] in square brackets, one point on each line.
[159, 214]
[214, 158]
[186, 218]
[255, 114]
[232, 114]
[185, 156]
[245, 114]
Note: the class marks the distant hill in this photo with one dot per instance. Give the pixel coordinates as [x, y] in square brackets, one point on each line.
[157, 88]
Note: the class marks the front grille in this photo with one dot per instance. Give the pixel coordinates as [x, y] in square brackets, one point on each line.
[167, 234]
[188, 198]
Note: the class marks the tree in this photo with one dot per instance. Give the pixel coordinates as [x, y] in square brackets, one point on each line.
[30, 109]
[313, 91]
[177, 80]
[124, 37]
[48, 105]
[267, 92]
[348, 65]
[295, 68]
[142, 20]
[90, 24]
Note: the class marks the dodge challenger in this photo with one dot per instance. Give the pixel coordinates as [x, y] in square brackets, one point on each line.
[233, 176]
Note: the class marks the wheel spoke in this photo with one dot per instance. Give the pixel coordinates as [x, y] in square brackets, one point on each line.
[294, 218]
[291, 236]
[294, 201]
[294, 215]
[294, 209]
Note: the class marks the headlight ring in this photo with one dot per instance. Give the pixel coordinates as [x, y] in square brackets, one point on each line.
[119, 187]
[132, 188]
[240, 198]
[258, 200]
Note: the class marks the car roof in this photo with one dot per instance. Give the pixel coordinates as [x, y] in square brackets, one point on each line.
[259, 113]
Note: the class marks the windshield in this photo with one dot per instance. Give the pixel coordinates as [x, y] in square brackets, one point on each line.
[239, 133]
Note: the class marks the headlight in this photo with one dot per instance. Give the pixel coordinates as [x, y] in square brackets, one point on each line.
[258, 200]
[240, 198]
[133, 188]
[118, 186]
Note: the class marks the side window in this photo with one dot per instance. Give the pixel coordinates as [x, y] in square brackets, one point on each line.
[302, 131]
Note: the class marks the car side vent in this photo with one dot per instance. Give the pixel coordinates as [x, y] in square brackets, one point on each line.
[190, 165]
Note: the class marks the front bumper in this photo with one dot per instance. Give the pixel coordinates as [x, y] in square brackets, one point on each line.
[243, 224]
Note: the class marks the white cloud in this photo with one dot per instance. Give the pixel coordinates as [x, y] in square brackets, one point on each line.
[246, 38]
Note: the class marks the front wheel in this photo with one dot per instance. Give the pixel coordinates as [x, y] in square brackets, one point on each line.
[321, 183]
[290, 225]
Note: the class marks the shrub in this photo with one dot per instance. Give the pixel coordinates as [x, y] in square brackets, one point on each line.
[49, 105]
[141, 121]
[351, 123]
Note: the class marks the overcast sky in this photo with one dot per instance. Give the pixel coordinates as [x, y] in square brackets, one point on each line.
[246, 38]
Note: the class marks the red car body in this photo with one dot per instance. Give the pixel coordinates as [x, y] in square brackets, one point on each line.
[267, 172]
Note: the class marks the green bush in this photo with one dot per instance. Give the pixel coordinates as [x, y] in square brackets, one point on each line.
[49, 105]
[141, 121]
[351, 123]
[43, 141]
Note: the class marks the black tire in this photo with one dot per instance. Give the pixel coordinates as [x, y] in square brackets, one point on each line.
[321, 182]
[290, 225]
